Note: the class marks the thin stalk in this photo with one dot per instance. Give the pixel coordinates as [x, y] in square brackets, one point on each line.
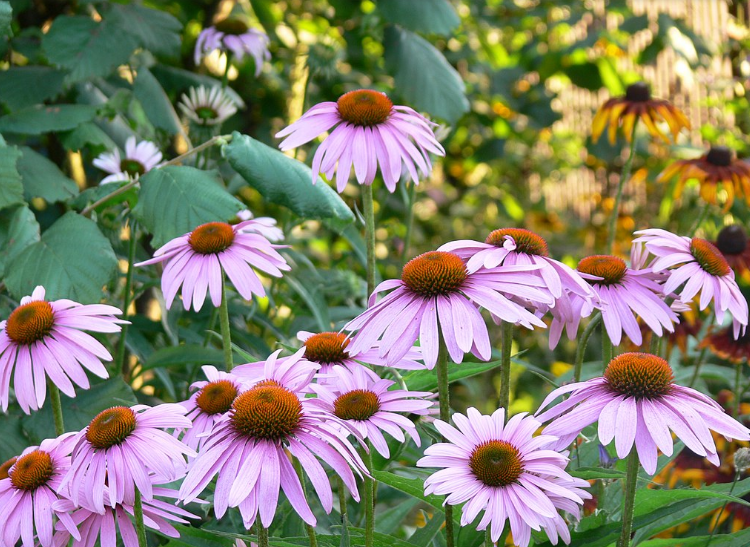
[411, 194]
[369, 501]
[57, 413]
[631, 480]
[737, 386]
[140, 527]
[624, 176]
[342, 501]
[262, 536]
[583, 342]
[655, 346]
[488, 538]
[445, 415]
[121, 362]
[723, 507]
[225, 77]
[226, 337]
[301, 475]
[697, 367]
[698, 221]
[608, 352]
[368, 210]
[507, 344]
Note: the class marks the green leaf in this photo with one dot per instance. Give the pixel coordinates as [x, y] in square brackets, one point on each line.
[23, 86]
[11, 189]
[388, 521]
[42, 178]
[435, 16]
[414, 487]
[585, 75]
[156, 104]
[738, 539]
[72, 260]
[14, 440]
[18, 230]
[174, 200]
[423, 536]
[313, 297]
[43, 119]
[631, 25]
[182, 355]
[6, 17]
[426, 380]
[588, 473]
[86, 134]
[86, 47]
[178, 79]
[285, 181]
[423, 76]
[155, 30]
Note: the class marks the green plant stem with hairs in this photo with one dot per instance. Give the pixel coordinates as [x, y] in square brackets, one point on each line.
[57, 413]
[410, 196]
[262, 536]
[624, 176]
[368, 210]
[369, 497]
[445, 415]
[121, 362]
[140, 527]
[608, 351]
[226, 337]
[310, 529]
[507, 345]
[583, 342]
[631, 481]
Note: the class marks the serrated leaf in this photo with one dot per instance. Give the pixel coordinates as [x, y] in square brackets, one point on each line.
[18, 230]
[174, 200]
[11, 188]
[182, 355]
[42, 178]
[286, 181]
[86, 47]
[155, 103]
[72, 260]
[23, 86]
[434, 16]
[424, 78]
[44, 119]
[155, 30]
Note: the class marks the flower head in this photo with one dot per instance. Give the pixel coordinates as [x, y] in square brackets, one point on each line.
[195, 262]
[437, 284]
[139, 159]
[637, 104]
[368, 132]
[120, 448]
[722, 342]
[207, 106]
[42, 338]
[505, 471]
[265, 226]
[637, 402]
[732, 241]
[233, 36]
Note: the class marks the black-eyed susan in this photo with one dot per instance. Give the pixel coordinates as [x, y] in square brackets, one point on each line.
[637, 104]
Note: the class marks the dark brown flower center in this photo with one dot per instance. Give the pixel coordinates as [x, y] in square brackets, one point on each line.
[709, 257]
[6, 467]
[639, 92]
[32, 471]
[232, 26]
[610, 268]
[30, 322]
[326, 347]
[639, 375]
[526, 241]
[721, 156]
[111, 427]
[132, 167]
[268, 411]
[359, 404]
[216, 397]
[496, 463]
[364, 107]
[732, 240]
[211, 238]
[434, 273]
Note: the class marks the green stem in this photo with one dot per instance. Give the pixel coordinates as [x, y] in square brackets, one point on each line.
[445, 415]
[723, 507]
[121, 362]
[607, 350]
[631, 480]
[140, 527]
[342, 501]
[369, 500]
[698, 221]
[412, 191]
[488, 538]
[507, 344]
[624, 176]
[582, 343]
[655, 346]
[697, 367]
[368, 209]
[57, 413]
[262, 536]
[301, 475]
[226, 337]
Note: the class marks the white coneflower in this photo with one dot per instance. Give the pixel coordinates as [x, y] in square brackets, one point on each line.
[207, 106]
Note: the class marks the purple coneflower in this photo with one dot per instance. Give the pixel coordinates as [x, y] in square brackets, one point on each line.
[370, 407]
[196, 260]
[702, 268]
[30, 489]
[206, 106]
[234, 36]
[370, 132]
[120, 448]
[437, 284]
[505, 471]
[265, 226]
[139, 159]
[295, 372]
[636, 401]
[249, 448]
[42, 338]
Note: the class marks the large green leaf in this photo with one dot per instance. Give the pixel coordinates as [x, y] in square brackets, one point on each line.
[288, 182]
[11, 187]
[435, 16]
[86, 47]
[156, 104]
[155, 30]
[43, 119]
[23, 86]
[174, 200]
[18, 230]
[42, 178]
[72, 260]
[424, 78]
[414, 487]
[184, 354]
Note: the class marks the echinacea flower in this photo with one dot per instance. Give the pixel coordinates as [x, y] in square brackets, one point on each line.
[294, 372]
[637, 104]
[30, 489]
[207, 106]
[265, 226]
[120, 448]
[234, 36]
[637, 402]
[370, 407]
[5, 467]
[42, 338]
[139, 159]
[196, 260]
[714, 170]
[702, 268]
[733, 243]
[369, 132]
[505, 471]
[437, 284]
[249, 449]
[722, 342]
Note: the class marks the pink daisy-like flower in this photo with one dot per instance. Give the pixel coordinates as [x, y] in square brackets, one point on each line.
[30, 489]
[195, 262]
[636, 401]
[249, 448]
[370, 407]
[370, 132]
[139, 159]
[437, 284]
[295, 372]
[42, 338]
[701, 268]
[207, 106]
[120, 448]
[265, 226]
[505, 471]
[234, 36]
